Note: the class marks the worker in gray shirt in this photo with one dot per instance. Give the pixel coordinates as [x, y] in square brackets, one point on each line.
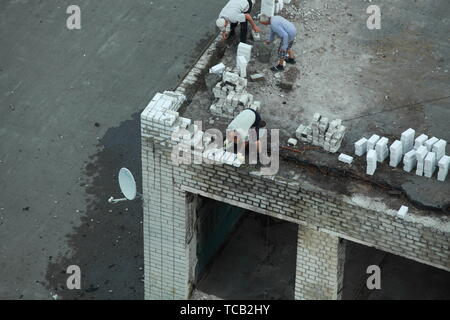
[286, 30]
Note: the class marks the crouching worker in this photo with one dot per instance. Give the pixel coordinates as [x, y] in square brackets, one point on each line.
[236, 12]
[240, 129]
[285, 30]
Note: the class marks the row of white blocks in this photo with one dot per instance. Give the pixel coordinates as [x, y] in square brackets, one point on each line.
[422, 153]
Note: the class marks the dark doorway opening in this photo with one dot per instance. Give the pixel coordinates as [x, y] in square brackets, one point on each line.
[256, 257]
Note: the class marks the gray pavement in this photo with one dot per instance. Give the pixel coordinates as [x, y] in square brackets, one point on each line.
[70, 103]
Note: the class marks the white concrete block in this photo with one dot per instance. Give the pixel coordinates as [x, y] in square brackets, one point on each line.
[371, 162]
[421, 154]
[268, 7]
[300, 131]
[382, 149]
[361, 147]
[409, 161]
[218, 69]
[402, 211]
[407, 140]
[245, 50]
[257, 77]
[430, 164]
[292, 142]
[439, 149]
[372, 142]
[396, 150]
[241, 63]
[420, 141]
[345, 158]
[443, 165]
[231, 78]
[430, 142]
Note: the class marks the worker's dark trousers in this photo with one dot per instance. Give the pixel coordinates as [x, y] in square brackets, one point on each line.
[244, 25]
[244, 30]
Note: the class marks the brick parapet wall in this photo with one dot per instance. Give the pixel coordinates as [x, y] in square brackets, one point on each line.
[313, 206]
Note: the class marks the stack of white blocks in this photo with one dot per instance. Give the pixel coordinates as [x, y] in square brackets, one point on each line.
[323, 133]
[231, 96]
[422, 153]
[396, 150]
[162, 108]
[371, 162]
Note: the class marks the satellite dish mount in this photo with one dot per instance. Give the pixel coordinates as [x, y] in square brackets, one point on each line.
[127, 186]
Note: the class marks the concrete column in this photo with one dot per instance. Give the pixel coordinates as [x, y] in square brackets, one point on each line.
[320, 265]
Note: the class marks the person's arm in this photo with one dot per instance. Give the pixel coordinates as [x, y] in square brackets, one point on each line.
[271, 36]
[249, 18]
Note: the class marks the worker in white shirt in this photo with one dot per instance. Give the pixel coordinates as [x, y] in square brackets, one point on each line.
[238, 131]
[236, 12]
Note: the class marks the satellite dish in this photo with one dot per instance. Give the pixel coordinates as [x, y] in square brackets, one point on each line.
[127, 186]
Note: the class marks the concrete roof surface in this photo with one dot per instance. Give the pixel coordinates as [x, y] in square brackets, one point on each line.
[377, 81]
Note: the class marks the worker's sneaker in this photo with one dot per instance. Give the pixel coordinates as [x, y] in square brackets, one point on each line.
[277, 68]
[290, 61]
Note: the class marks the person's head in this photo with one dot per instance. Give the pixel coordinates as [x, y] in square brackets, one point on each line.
[223, 25]
[264, 19]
